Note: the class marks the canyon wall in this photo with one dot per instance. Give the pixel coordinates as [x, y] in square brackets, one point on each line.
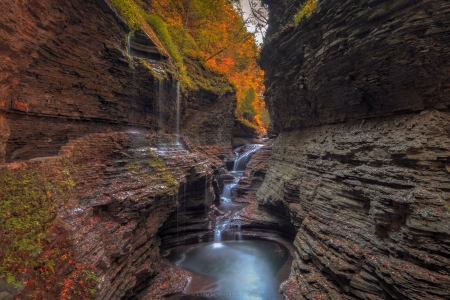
[124, 193]
[74, 82]
[66, 72]
[359, 92]
[124, 189]
[355, 59]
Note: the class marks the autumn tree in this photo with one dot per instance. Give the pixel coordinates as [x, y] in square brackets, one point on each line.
[215, 34]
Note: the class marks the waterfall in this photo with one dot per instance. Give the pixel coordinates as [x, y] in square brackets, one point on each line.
[227, 226]
[237, 235]
[228, 189]
[177, 101]
[241, 161]
[161, 98]
[129, 44]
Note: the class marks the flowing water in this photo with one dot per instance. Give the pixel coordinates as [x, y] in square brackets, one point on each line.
[242, 160]
[177, 104]
[228, 190]
[232, 268]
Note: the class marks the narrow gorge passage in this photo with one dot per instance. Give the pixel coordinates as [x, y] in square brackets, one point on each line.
[163, 149]
[231, 267]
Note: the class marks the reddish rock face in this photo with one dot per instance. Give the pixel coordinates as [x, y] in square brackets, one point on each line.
[125, 189]
[65, 62]
[65, 73]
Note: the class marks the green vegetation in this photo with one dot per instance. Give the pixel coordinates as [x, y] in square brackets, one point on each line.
[305, 10]
[208, 43]
[128, 11]
[207, 79]
[158, 168]
[29, 201]
[136, 18]
[163, 34]
[245, 108]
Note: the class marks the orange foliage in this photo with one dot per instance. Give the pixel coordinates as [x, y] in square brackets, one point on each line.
[214, 33]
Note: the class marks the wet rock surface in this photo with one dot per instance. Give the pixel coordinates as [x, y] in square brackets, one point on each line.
[126, 187]
[355, 59]
[131, 201]
[66, 72]
[370, 201]
[360, 165]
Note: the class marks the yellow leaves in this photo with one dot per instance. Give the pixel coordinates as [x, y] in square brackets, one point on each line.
[306, 10]
[211, 32]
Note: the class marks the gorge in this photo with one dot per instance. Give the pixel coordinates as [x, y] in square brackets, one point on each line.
[113, 163]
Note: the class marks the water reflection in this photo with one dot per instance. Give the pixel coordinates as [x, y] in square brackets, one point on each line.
[244, 270]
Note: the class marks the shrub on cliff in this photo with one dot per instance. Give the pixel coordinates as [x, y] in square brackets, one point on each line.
[213, 33]
[305, 10]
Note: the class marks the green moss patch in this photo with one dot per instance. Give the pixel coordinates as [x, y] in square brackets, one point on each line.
[29, 201]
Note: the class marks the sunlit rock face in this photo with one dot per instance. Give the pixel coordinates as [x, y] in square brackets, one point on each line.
[361, 165]
[66, 72]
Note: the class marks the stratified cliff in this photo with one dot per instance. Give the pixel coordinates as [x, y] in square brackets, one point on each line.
[69, 68]
[75, 82]
[355, 59]
[359, 93]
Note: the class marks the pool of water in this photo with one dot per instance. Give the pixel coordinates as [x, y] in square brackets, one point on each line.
[237, 270]
[230, 206]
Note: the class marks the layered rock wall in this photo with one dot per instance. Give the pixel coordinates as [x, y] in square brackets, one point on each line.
[129, 189]
[355, 59]
[371, 204]
[361, 164]
[64, 62]
[125, 189]
[66, 72]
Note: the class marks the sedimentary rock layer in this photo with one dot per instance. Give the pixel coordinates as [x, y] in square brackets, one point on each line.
[62, 62]
[126, 189]
[126, 186]
[371, 204]
[369, 195]
[66, 72]
[355, 59]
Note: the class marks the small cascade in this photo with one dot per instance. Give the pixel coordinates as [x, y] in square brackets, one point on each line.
[228, 189]
[227, 228]
[170, 143]
[161, 103]
[244, 158]
[129, 45]
[238, 235]
[177, 102]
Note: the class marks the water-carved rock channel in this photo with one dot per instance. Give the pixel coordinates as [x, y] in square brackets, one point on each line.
[232, 267]
[129, 171]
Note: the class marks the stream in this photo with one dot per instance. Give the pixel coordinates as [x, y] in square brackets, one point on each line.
[232, 267]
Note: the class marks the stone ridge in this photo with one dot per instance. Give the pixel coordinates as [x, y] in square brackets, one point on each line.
[356, 59]
[125, 191]
[371, 204]
[126, 188]
[66, 61]
[65, 73]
